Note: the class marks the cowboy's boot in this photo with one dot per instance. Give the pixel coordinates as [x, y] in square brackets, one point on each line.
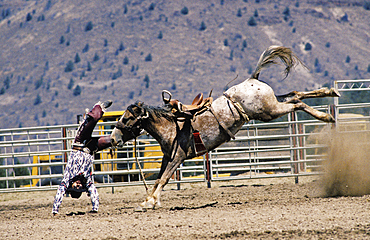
[86, 128]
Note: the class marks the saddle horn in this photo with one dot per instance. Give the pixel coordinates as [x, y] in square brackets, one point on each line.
[166, 100]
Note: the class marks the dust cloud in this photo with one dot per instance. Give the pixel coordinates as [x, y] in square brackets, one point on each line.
[346, 164]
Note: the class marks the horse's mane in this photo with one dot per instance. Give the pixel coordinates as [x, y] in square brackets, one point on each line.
[156, 112]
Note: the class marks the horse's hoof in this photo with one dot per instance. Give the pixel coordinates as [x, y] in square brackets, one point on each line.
[334, 92]
[158, 204]
[139, 209]
[148, 205]
[330, 119]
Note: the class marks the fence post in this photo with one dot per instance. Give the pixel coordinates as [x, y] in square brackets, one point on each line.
[178, 179]
[64, 136]
[208, 171]
[294, 144]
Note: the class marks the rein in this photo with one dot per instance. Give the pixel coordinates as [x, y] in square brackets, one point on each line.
[130, 129]
[138, 163]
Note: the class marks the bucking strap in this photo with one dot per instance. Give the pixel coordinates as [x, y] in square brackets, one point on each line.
[238, 107]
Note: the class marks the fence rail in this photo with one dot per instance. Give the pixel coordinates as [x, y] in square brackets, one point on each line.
[33, 159]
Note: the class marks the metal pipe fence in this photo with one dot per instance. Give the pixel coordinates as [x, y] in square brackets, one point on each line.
[33, 159]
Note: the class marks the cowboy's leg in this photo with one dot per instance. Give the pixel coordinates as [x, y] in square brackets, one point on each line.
[93, 192]
[99, 143]
[87, 126]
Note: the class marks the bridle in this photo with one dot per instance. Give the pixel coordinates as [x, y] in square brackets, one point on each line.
[134, 127]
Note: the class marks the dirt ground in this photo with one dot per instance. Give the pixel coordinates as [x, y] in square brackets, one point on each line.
[335, 205]
[247, 209]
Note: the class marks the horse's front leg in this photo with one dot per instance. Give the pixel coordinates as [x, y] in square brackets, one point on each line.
[153, 200]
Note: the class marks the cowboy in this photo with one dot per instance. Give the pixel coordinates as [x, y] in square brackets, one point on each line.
[77, 174]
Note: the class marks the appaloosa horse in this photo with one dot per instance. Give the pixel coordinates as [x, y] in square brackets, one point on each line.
[251, 99]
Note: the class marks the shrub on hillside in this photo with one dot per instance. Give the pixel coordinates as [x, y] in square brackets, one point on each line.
[117, 74]
[148, 58]
[307, 47]
[77, 58]
[202, 26]
[96, 57]
[184, 10]
[86, 48]
[121, 47]
[37, 100]
[7, 82]
[89, 68]
[348, 59]
[28, 17]
[70, 84]
[38, 83]
[77, 91]
[239, 13]
[69, 67]
[151, 7]
[125, 60]
[252, 21]
[367, 5]
[89, 26]
[146, 80]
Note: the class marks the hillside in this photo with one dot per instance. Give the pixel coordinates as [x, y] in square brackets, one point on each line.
[59, 57]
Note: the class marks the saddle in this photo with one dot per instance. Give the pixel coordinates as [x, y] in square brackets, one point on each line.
[182, 111]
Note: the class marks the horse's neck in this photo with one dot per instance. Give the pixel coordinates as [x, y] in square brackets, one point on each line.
[161, 129]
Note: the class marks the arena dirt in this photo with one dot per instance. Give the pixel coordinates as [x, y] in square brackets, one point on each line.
[253, 209]
[334, 206]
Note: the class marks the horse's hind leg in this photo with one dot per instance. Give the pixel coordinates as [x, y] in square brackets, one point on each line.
[283, 108]
[326, 117]
[319, 93]
[322, 92]
[299, 105]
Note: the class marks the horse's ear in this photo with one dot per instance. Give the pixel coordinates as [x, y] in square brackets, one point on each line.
[140, 104]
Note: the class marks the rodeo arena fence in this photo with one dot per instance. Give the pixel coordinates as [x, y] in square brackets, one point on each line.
[33, 159]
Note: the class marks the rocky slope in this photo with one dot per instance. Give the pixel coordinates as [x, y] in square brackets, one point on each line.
[59, 57]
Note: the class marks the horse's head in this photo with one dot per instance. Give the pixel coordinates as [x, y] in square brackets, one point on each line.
[129, 126]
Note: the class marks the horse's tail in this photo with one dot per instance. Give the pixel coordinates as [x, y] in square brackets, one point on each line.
[270, 56]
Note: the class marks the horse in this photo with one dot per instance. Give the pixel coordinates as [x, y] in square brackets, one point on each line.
[251, 99]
